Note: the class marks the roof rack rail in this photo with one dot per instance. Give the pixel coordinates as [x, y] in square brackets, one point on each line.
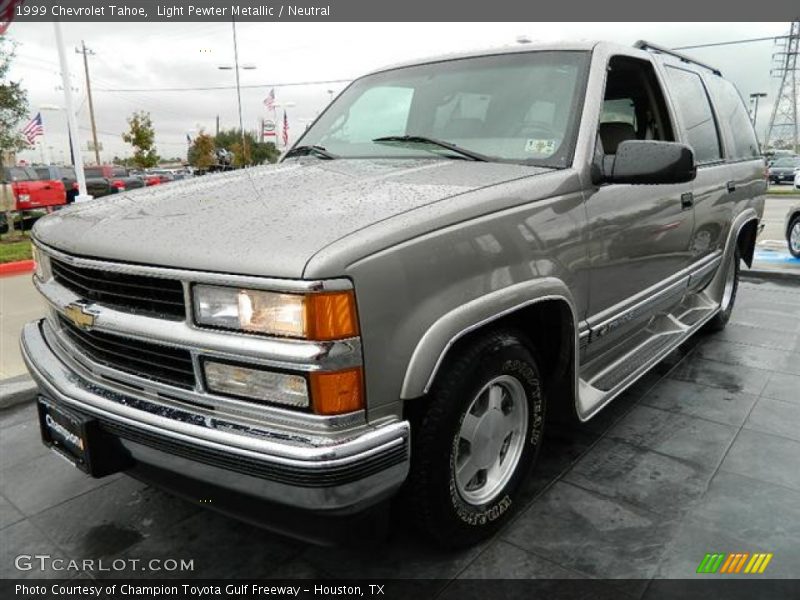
[645, 45]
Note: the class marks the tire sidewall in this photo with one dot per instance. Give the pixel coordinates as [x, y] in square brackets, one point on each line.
[795, 222]
[508, 359]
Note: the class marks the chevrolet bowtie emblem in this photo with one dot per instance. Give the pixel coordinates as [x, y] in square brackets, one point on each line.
[79, 316]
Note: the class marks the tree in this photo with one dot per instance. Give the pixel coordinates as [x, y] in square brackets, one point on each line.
[13, 103]
[257, 152]
[201, 152]
[13, 109]
[141, 135]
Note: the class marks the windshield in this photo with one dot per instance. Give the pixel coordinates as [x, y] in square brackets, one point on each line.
[519, 107]
[786, 162]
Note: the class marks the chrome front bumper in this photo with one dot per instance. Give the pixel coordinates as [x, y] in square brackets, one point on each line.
[345, 473]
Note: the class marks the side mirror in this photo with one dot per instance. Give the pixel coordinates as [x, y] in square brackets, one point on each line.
[650, 162]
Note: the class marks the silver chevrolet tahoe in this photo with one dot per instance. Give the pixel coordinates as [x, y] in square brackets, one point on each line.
[455, 248]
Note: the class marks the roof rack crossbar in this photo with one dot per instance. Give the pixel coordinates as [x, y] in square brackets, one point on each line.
[645, 45]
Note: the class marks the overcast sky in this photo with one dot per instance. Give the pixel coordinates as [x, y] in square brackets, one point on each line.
[177, 55]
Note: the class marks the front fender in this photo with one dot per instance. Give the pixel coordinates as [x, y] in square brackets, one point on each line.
[432, 348]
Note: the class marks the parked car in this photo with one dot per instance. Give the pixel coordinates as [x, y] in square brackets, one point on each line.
[31, 192]
[792, 228]
[401, 301]
[103, 180]
[784, 169]
[164, 175]
[64, 174]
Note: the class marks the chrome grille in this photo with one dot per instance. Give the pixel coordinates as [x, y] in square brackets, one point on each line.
[165, 364]
[135, 293]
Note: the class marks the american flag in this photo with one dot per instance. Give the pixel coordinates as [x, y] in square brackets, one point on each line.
[285, 129]
[33, 129]
[269, 101]
[7, 8]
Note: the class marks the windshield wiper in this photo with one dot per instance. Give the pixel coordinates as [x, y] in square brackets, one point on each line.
[421, 139]
[315, 150]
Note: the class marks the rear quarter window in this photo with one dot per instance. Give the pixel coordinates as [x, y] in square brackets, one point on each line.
[693, 105]
[733, 116]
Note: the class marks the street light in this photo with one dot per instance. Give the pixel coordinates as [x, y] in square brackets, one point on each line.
[74, 138]
[236, 67]
[754, 99]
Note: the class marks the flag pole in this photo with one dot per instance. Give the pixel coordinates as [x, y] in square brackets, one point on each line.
[74, 138]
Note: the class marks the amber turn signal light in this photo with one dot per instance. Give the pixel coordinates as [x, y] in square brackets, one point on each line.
[331, 316]
[337, 392]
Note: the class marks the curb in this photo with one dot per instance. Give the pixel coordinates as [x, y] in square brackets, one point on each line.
[771, 275]
[17, 267]
[16, 390]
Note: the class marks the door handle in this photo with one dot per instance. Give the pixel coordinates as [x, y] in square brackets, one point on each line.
[687, 200]
[731, 185]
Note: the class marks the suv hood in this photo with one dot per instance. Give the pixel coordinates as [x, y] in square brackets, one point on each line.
[266, 221]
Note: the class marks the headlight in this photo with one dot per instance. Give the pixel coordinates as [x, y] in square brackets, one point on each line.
[269, 386]
[315, 316]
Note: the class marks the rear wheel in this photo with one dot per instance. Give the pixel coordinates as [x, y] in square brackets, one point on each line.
[720, 320]
[476, 441]
[793, 237]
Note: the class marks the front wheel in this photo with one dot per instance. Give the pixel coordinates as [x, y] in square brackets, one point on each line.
[477, 440]
[720, 320]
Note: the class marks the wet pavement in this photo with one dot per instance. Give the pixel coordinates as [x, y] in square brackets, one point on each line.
[701, 455]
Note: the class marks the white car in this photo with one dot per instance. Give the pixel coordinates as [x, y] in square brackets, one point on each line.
[797, 179]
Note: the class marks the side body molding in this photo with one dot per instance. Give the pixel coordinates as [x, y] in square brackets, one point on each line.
[452, 326]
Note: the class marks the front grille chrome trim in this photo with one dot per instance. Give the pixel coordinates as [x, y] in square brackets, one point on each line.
[293, 355]
[200, 402]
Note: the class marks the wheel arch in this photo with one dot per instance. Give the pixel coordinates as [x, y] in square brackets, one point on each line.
[746, 240]
[542, 309]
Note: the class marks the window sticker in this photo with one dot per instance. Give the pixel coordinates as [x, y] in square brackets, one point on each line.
[540, 147]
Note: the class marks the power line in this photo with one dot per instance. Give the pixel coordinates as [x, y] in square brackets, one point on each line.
[224, 87]
[731, 42]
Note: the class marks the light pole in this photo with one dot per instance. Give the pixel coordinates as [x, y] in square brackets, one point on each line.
[236, 68]
[74, 137]
[754, 99]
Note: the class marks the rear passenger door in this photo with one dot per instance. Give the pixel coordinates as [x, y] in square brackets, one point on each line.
[715, 183]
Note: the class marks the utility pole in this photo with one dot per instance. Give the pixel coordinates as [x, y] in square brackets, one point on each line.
[86, 53]
[217, 126]
[783, 124]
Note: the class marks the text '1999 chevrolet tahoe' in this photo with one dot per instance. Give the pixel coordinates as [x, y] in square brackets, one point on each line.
[455, 247]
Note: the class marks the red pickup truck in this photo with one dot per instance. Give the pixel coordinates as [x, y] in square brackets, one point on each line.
[30, 192]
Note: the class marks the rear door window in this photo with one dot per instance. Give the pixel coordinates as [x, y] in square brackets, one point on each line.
[733, 114]
[695, 110]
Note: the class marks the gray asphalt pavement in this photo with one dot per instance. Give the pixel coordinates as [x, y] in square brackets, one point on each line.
[700, 456]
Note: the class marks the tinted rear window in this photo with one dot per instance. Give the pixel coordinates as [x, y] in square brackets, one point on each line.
[119, 172]
[733, 115]
[43, 172]
[94, 172]
[695, 110]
